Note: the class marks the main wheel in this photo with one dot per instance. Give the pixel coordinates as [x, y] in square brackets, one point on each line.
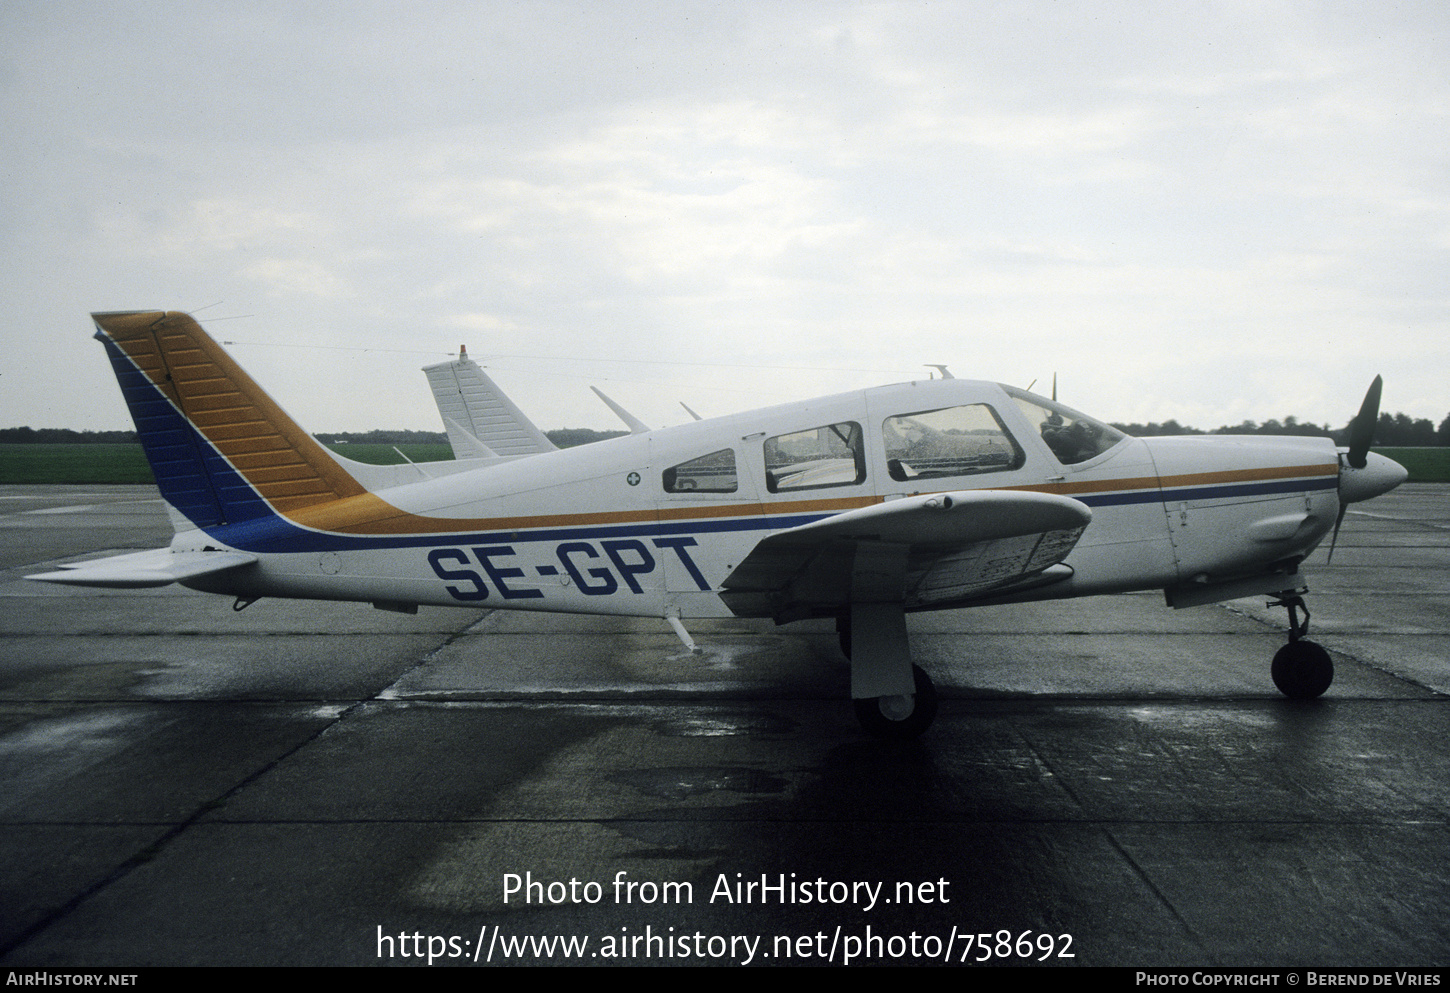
[901, 717]
[1302, 670]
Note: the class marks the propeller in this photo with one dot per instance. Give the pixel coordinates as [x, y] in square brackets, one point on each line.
[1361, 429]
[1335, 539]
[1361, 433]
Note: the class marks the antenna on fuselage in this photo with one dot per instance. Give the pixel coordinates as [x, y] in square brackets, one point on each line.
[1054, 386]
[941, 368]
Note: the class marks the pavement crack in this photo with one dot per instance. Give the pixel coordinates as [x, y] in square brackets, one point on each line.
[388, 693]
[1162, 897]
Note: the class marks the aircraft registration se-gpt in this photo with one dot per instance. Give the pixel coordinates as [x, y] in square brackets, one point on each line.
[863, 507]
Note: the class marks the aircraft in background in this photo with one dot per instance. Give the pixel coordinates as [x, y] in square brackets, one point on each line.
[481, 421]
[862, 507]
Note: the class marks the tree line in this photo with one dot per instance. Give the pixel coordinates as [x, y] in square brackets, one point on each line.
[1392, 430]
[62, 436]
[563, 437]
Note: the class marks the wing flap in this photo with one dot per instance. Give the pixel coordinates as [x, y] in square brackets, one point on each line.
[138, 570]
[923, 551]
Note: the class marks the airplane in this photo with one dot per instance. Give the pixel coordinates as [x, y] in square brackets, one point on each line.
[860, 507]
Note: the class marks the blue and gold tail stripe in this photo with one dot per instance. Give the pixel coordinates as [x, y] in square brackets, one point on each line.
[223, 452]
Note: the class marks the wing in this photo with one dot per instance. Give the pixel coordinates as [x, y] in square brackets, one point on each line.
[925, 552]
[157, 567]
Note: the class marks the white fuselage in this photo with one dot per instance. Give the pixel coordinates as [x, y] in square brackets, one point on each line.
[652, 524]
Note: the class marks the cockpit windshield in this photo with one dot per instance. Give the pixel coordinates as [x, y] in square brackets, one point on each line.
[1071, 436]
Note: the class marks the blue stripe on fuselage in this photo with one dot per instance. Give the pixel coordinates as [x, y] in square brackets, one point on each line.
[1232, 490]
[278, 535]
[275, 534]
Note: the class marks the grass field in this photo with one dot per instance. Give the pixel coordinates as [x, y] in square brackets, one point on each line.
[89, 464]
[123, 463]
[1426, 465]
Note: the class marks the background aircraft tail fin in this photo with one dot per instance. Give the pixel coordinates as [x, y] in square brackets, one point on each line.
[477, 413]
[222, 451]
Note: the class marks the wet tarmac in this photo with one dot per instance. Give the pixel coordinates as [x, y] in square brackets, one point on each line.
[1108, 782]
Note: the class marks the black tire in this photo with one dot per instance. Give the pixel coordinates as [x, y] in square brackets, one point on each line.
[879, 719]
[1302, 670]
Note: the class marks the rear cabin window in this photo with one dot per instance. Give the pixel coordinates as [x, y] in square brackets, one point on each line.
[831, 455]
[952, 441]
[713, 473]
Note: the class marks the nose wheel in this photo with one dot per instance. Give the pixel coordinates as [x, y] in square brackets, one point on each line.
[1302, 669]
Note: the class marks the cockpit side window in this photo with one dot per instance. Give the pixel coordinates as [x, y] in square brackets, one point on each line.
[1071, 436]
[713, 473]
[831, 455]
[952, 441]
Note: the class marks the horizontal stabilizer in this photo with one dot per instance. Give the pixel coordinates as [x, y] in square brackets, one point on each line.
[157, 567]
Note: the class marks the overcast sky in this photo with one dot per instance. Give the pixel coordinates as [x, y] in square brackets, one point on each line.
[1208, 211]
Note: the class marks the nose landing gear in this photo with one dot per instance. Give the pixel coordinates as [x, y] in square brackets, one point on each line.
[1302, 669]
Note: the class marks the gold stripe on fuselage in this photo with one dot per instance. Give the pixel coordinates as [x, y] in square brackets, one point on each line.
[370, 515]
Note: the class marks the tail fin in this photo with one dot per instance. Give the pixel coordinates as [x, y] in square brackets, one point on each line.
[222, 451]
[480, 418]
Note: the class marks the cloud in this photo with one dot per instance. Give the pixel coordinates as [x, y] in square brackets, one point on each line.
[1147, 197]
[281, 277]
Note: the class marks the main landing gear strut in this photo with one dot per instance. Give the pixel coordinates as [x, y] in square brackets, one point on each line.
[879, 662]
[1302, 669]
